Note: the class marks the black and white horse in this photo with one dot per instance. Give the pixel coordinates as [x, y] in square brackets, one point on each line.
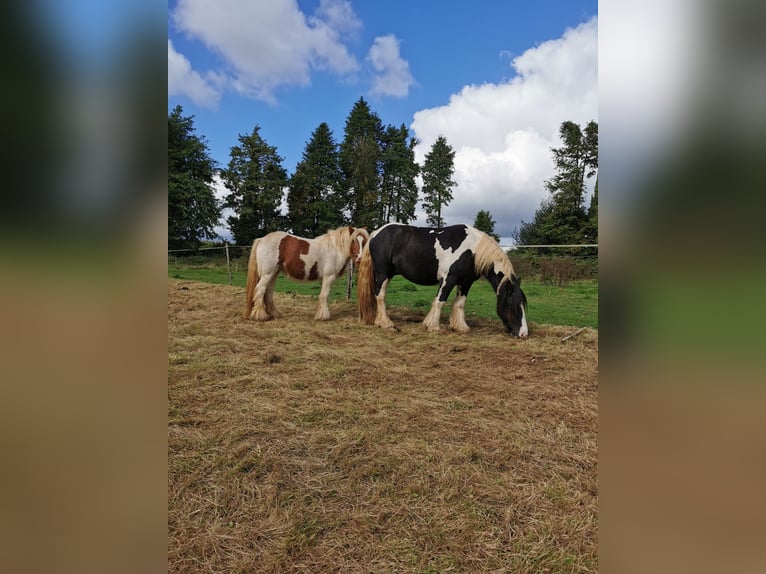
[454, 256]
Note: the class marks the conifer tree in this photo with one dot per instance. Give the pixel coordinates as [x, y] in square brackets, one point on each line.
[399, 190]
[193, 210]
[591, 229]
[360, 159]
[438, 170]
[562, 217]
[484, 222]
[256, 181]
[314, 200]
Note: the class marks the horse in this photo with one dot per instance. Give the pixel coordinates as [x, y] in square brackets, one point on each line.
[324, 257]
[454, 256]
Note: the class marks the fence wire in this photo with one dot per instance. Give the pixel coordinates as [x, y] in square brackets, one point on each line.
[550, 264]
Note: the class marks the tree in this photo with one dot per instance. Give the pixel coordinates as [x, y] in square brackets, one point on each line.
[543, 229]
[484, 222]
[193, 210]
[591, 228]
[256, 179]
[438, 170]
[399, 190]
[562, 217]
[360, 156]
[314, 201]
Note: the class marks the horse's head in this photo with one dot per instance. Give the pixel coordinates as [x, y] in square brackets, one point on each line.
[512, 307]
[359, 238]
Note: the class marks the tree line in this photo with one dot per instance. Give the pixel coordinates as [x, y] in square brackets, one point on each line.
[368, 179]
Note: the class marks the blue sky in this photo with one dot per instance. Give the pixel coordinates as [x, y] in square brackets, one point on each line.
[496, 78]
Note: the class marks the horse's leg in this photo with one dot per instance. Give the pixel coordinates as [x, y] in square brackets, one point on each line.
[457, 317]
[260, 310]
[268, 298]
[323, 311]
[431, 322]
[382, 319]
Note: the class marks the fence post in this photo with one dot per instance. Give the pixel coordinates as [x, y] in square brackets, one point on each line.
[348, 280]
[228, 262]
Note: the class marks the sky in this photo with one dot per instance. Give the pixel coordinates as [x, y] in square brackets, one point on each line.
[496, 78]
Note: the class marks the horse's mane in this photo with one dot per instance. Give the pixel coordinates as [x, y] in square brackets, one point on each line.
[487, 254]
[342, 237]
[361, 231]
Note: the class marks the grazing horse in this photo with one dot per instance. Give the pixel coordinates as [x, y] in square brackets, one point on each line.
[303, 259]
[454, 256]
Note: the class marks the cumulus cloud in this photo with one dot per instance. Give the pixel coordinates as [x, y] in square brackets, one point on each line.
[266, 45]
[393, 77]
[220, 191]
[339, 15]
[183, 81]
[502, 133]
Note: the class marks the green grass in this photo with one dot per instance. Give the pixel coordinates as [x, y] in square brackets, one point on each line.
[575, 305]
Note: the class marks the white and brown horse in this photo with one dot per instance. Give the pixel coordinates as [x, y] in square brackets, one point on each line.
[303, 259]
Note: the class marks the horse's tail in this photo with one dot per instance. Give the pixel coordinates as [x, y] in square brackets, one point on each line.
[368, 305]
[252, 278]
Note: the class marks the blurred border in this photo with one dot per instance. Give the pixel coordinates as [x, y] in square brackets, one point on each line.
[682, 142]
[682, 148]
[83, 284]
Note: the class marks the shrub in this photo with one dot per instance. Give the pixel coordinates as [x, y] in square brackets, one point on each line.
[558, 271]
[555, 269]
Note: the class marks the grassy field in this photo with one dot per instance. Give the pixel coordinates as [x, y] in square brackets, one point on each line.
[575, 305]
[303, 446]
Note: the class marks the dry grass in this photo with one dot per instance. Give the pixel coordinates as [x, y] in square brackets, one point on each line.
[297, 446]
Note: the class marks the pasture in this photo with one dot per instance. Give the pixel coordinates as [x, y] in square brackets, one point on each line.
[303, 446]
[575, 305]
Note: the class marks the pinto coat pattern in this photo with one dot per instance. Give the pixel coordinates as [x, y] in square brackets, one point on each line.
[452, 257]
[323, 258]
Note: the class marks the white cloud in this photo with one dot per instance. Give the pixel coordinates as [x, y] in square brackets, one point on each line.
[393, 73]
[266, 45]
[183, 81]
[502, 133]
[220, 191]
[339, 15]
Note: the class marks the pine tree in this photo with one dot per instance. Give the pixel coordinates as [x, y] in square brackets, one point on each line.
[484, 222]
[193, 210]
[360, 157]
[314, 201]
[256, 179]
[438, 170]
[543, 229]
[399, 190]
[591, 229]
[562, 217]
